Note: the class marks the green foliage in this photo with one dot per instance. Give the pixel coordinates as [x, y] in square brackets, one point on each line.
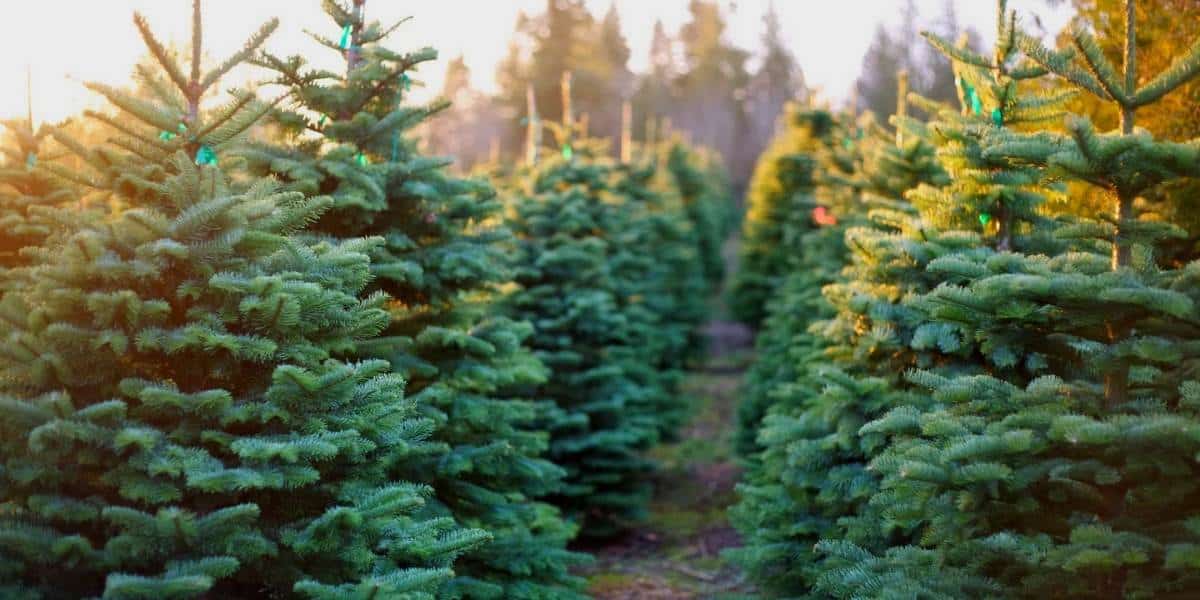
[782, 345]
[779, 205]
[703, 186]
[608, 262]
[1040, 443]
[28, 194]
[175, 422]
[829, 362]
[348, 136]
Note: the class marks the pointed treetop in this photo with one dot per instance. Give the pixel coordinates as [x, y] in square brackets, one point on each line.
[1086, 66]
[154, 128]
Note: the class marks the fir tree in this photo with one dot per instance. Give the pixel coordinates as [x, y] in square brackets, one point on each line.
[811, 480]
[26, 192]
[1064, 467]
[176, 424]
[701, 181]
[609, 274]
[815, 261]
[776, 216]
[347, 135]
[565, 256]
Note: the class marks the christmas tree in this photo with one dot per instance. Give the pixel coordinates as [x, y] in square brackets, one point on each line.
[176, 423]
[562, 214]
[656, 265]
[609, 273]
[811, 478]
[27, 194]
[1063, 466]
[703, 185]
[776, 217]
[818, 257]
[347, 135]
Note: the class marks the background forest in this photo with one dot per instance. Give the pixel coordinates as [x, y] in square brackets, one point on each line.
[698, 82]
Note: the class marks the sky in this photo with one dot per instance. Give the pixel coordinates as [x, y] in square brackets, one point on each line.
[65, 42]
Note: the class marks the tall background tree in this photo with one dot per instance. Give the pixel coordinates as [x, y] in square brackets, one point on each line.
[898, 48]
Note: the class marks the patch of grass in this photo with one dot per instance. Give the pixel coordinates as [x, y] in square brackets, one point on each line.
[677, 525]
[601, 583]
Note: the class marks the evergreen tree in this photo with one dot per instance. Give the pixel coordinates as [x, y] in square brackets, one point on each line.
[609, 273]
[712, 86]
[567, 38]
[901, 49]
[703, 186]
[779, 204]
[347, 135]
[26, 193]
[565, 255]
[824, 378]
[1064, 466]
[604, 118]
[1174, 117]
[890, 53]
[815, 261]
[656, 90]
[176, 423]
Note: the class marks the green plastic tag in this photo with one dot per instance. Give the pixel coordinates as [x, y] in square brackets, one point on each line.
[984, 218]
[206, 156]
[362, 159]
[567, 151]
[997, 117]
[345, 42]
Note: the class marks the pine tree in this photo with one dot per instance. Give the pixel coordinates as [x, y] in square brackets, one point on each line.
[347, 135]
[1064, 466]
[26, 194]
[565, 256]
[815, 259]
[776, 216]
[811, 480]
[703, 185]
[175, 421]
[656, 89]
[609, 273]
[777, 81]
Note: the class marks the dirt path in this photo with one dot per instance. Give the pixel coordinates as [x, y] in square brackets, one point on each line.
[677, 554]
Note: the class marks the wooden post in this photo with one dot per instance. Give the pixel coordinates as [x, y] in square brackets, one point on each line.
[567, 119]
[29, 96]
[901, 104]
[532, 127]
[626, 131]
[494, 150]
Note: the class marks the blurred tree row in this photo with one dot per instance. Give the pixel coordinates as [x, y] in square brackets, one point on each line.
[698, 83]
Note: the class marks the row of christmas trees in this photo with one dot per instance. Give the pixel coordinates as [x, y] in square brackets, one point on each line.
[271, 350]
[967, 387]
